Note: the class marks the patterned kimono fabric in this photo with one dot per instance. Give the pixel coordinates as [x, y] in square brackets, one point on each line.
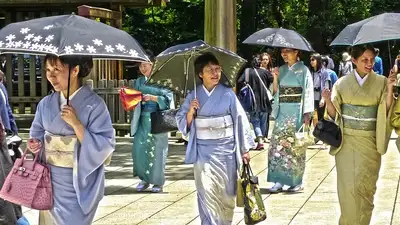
[150, 150]
[219, 135]
[77, 168]
[286, 163]
[361, 115]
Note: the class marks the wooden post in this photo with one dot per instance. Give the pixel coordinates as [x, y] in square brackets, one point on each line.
[220, 23]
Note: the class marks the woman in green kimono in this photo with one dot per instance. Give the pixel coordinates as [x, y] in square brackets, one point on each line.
[149, 150]
[360, 105]
[293, 103]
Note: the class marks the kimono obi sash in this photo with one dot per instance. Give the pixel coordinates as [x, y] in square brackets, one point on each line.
[59, 150]
[359, 117]
[213, 128]
[290, 94]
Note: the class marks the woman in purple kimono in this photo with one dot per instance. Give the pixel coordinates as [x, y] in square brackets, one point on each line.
[77, 139]
[219, 138]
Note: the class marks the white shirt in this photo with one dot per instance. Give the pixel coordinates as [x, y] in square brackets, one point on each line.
[360, 79]
[63, 100]
[208, 92]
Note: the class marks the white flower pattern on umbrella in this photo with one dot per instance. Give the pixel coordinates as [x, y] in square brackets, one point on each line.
[68, 50]
[1, 44]
[42, 47]
[120, 47]
[9, 44]
[79, 47]
[49, 48]
[27, 44]
[48, 27]
[10, 37]
[98, 42]
[90, 49]
[37, 38]
[35, 46]
[18, 44]
[133, 53]
[25, 30]
[29, 37]
[109, 49]
[49, 38]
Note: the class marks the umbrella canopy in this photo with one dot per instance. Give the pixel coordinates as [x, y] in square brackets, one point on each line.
[279, 38]
[382, 27]
[70, 35]
[174, 67]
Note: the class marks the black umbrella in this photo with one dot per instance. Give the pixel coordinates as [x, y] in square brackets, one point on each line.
[174, 67]
[70, 35]
[383, 27]
[279, 38]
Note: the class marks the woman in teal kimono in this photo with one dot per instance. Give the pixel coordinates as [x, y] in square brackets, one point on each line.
[149, 150]
[293, 103]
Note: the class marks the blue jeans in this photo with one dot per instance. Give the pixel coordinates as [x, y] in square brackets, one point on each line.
[260, 121]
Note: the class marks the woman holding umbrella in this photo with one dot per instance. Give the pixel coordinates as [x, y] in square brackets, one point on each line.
[150, 150]
[294, 101]
[360, 105]
[220, 138]
[84, 131]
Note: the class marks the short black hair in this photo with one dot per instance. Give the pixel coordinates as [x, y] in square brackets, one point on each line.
[203, 60]
[376, 51]
[85, 63]
[358, 50]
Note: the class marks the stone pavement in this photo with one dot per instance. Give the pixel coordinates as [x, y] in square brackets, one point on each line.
[316, 205]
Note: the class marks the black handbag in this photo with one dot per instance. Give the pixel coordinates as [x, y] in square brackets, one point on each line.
[328, 132]
[163, 121]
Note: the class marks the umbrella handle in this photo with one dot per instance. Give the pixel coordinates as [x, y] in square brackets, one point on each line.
[69, 85]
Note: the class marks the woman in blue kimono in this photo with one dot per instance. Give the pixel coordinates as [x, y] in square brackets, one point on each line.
[293, 103]
[76, 140]
[220, 138]
[149, 150]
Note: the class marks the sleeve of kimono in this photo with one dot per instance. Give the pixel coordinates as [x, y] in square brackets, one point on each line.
[164, 99]
[308, 101]
[37, 130]
[97, 145]
[243, 132]
[395, 116]
[383, 123]
[181, 115]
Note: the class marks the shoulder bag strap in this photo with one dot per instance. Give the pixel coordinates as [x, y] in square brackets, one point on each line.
[270, 97]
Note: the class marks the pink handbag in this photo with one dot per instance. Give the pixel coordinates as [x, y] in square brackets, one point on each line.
[29, 184]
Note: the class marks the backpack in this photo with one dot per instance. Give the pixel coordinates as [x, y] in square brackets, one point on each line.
[246, 95]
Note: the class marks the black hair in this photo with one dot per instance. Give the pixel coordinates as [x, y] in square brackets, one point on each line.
[255, 62]
[376, 51]
[325, 60]
[318, 58]
[150, 54]
[203, 60]
[358, 50]
[85, 63]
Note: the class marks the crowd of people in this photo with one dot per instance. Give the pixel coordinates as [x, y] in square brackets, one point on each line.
[219, 133]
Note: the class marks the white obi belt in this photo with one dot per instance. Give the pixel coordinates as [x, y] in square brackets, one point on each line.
[213, 128]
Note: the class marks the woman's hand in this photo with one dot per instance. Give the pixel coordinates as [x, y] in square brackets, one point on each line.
[147, 98]
[246, 158]
[34, 145]
[194, 105]
[68, 114]
[326, 95]
[306, 118]
[275, 72]
[392, 79]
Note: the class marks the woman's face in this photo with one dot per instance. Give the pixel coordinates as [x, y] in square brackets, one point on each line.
[57, 74]
[365, 62]
[264, 61]
[289, 55]
[145, 68]
[313, 63]
[211, 74]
